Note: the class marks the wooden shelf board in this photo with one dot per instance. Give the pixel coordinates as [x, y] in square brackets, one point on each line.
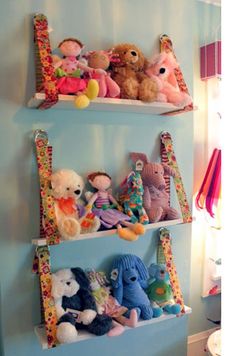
[99, 234]
[83, 335]
[108, 104]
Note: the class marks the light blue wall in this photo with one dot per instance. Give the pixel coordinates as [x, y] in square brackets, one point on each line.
[83, 141]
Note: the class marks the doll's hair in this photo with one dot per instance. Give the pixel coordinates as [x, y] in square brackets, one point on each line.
[72, 40]
[93, 175]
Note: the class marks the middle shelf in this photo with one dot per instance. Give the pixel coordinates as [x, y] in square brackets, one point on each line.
[94, 235]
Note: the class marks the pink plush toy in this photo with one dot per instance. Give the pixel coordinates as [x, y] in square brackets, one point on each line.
[101, 60]
[156, 199]
[161, 69]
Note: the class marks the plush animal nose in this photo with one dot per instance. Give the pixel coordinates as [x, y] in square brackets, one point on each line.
[133, 53]
[133, 279]
[68, 283]
[162, 271]
[162, 70]
[77, 191]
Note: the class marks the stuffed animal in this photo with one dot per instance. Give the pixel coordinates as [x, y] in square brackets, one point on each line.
[159, 291]
[156, 199]
[161, 69]
[129, 74]
[68, 71]
[72, 218]
[101, 60]
[129, 278]
[107, 304]
[107, 209]
[75, 306]
[131, 198]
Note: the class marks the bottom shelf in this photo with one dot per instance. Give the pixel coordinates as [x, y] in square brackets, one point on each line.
[84, 335]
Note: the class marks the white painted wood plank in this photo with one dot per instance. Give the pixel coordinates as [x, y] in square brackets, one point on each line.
[83, 335]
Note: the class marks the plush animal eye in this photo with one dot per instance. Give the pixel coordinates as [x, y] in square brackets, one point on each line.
[125, 52]
[67, 188]
[162, 70]
[68, 283]
[156, 172]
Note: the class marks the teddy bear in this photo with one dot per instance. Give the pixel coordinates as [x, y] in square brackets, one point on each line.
[161, 69]
[72, 217]
[156, 199]
[101, 60]
[159, 290]
[75, 306]
[129, 74]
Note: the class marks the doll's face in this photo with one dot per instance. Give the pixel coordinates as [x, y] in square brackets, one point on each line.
[70, 48]
[101, 182]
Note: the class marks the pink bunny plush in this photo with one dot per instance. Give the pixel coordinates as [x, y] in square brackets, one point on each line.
[156, 199]
[161, 69]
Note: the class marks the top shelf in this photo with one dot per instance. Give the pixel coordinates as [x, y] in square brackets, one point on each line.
[109, 104]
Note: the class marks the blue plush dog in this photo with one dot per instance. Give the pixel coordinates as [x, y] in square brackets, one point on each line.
[129, 278]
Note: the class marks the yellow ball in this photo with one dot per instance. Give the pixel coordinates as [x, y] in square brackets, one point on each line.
[82, 101]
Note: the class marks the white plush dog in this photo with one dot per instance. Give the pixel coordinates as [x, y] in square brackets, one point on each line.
[67, 188]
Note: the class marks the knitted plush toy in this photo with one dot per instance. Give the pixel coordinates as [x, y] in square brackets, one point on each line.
[161, 69]
[129, 74]
[101, 60]
[72, 218]
[129, 278]
[75, 306]
[156, 199]
[68, 72]
[107, 304]
[131, 198]
[105, 206]
[159, 291]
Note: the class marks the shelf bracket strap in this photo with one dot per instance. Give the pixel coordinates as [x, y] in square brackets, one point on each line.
[48, 304]
[45, 77]
[44, 161]
[167, 144]
[165, 239]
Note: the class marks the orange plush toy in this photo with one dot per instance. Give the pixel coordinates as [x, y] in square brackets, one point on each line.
[129, 74]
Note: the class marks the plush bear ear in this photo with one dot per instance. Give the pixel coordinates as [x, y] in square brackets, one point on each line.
[80, 277]
[168, 170]
[141, 268]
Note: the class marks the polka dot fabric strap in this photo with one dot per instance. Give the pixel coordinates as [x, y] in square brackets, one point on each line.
[165, 240]
[167, 143]
[44, 169]
[48, 304]
[44, 63]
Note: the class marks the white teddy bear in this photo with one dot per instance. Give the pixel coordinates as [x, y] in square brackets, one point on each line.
[67, 187]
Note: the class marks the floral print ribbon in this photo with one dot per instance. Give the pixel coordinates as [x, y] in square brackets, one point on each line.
[45, 277]
[166, 140]
[165, 239]
[44, 63]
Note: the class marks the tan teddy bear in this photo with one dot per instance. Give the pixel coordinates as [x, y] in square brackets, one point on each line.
[129, 74]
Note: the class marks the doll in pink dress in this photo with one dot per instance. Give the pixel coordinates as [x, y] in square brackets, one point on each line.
[104, 205]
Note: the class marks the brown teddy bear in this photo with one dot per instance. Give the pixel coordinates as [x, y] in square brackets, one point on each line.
[129, 74]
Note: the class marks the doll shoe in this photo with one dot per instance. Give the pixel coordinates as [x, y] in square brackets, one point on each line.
[82, 101]
[139, 229]
[127, 234]
[92, 89]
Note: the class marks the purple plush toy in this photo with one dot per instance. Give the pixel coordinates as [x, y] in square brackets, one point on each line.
[156, 199]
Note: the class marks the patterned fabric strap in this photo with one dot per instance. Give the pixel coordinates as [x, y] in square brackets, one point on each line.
[44, 169]
[48, 304]
[166, 46]
[44, 63]
[165, 239]
[168, 144]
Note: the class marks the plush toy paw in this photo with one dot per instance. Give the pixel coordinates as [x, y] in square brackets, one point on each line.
[133, 319]
[87, 316]
[69, 228]
[116, 330]
[157, 312]
[173, 309]
[66, 333]
[92, 89]
[127, 234]
[139, 229]
[148, 90]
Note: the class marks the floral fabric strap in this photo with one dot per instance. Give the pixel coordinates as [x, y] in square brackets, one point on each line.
[45, 171]
[166, 140]
[48, 304]
[165, 239]
[44, 64]
[167, 46]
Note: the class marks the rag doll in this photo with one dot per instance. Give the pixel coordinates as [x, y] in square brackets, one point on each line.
[107, 209]
[68, 71]
[107, 304]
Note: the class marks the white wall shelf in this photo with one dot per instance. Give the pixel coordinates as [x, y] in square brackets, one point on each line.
[83, 335]
[99, 234]
[108, 104]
